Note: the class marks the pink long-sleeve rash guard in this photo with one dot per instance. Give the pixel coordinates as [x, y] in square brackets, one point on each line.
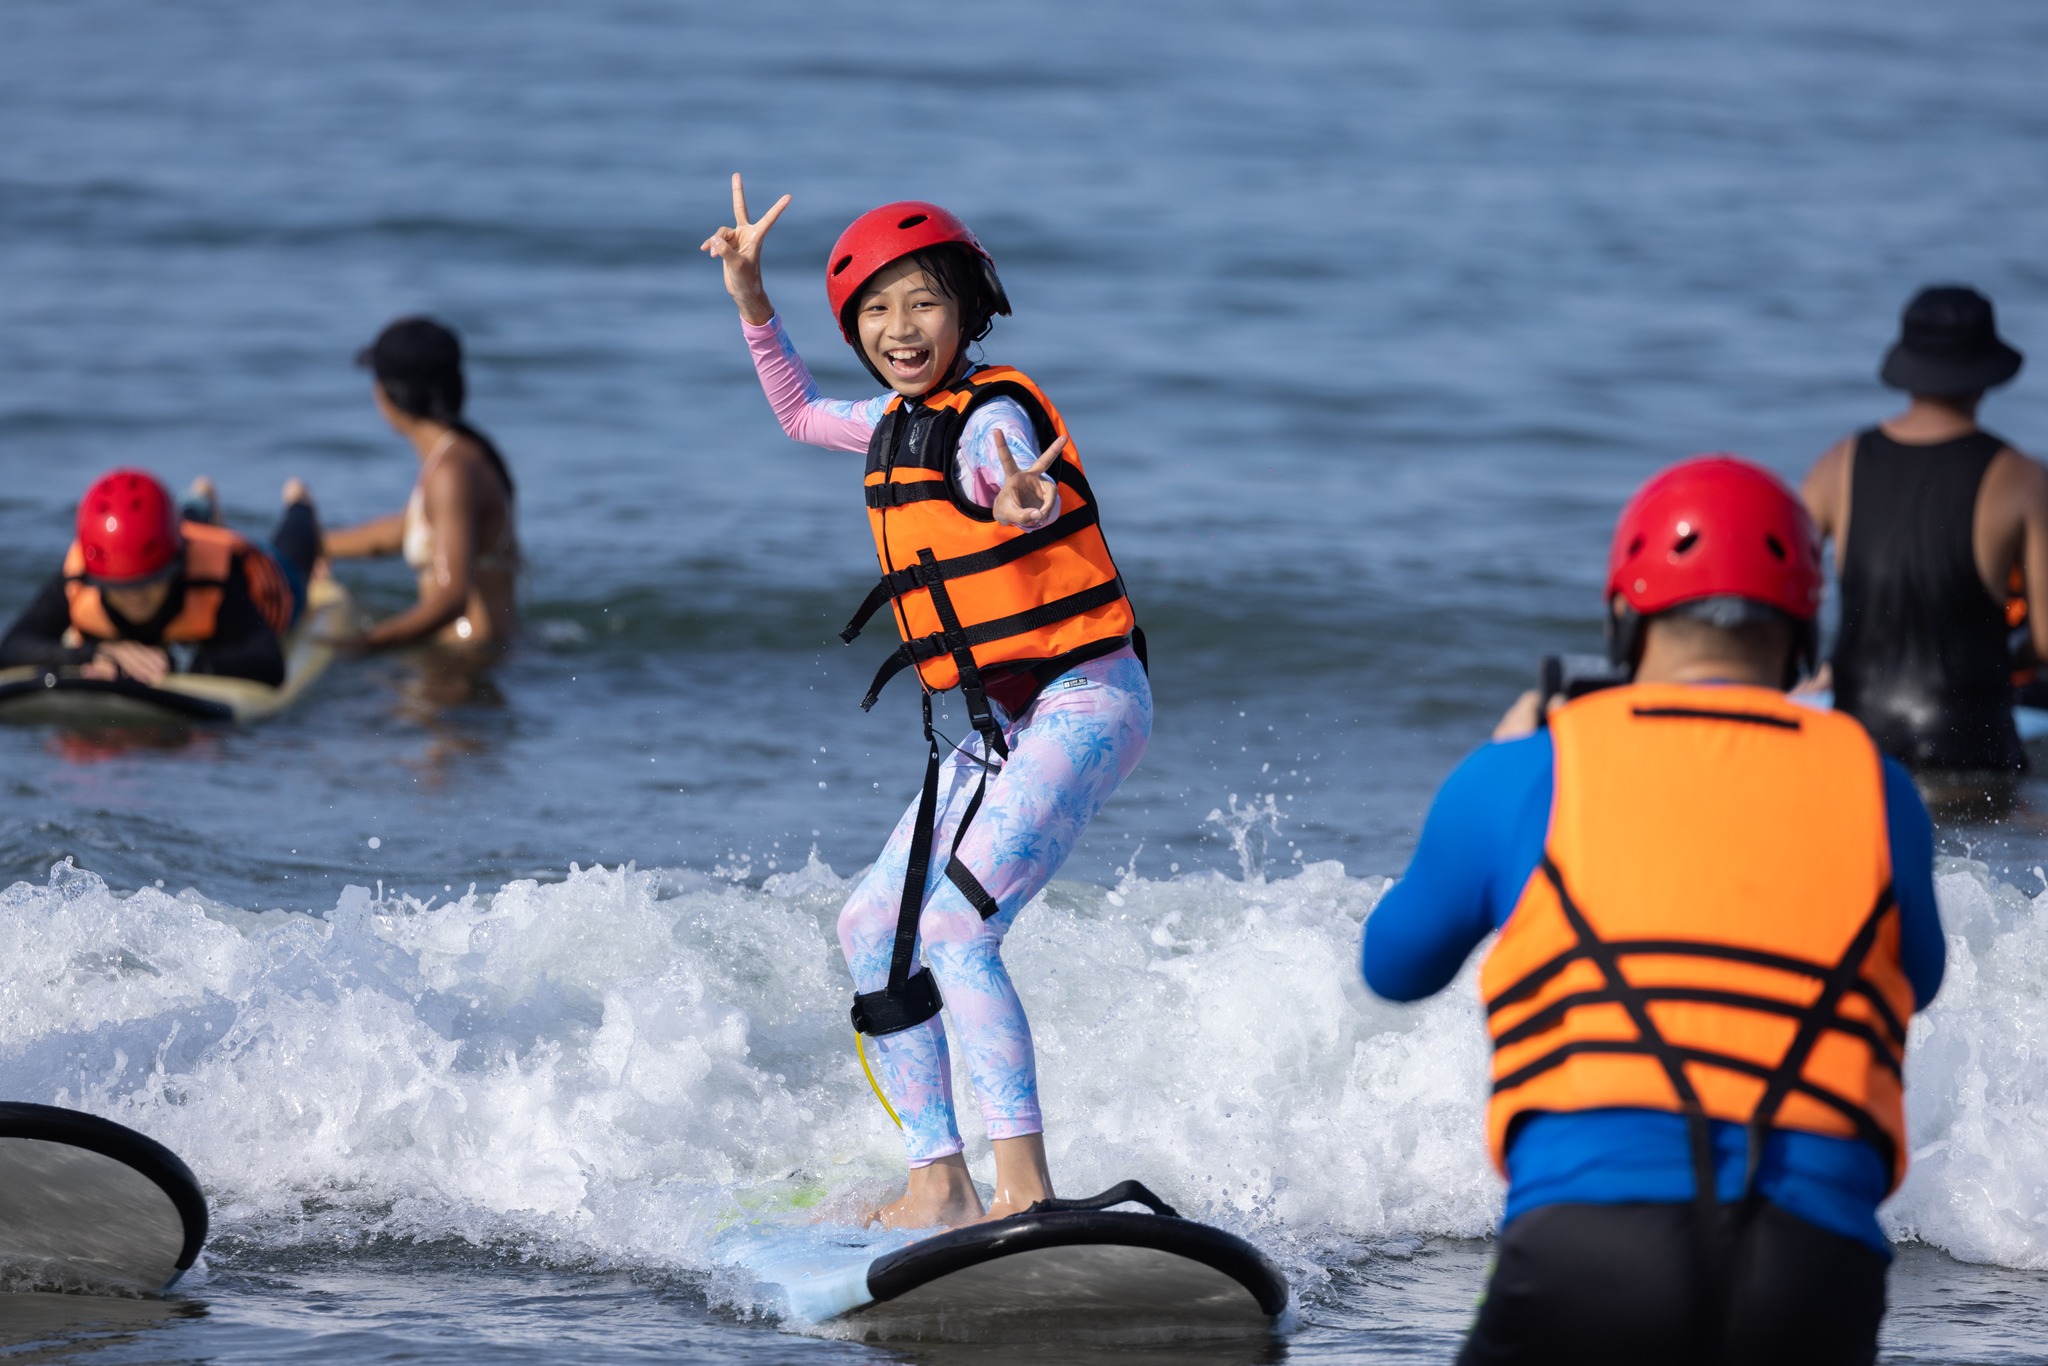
[846, 424]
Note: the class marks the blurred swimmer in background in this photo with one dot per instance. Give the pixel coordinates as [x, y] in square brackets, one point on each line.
[149, 589]
[1941, 541]
[458, 531]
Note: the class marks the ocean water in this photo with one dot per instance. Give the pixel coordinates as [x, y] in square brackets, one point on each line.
[485, 1004]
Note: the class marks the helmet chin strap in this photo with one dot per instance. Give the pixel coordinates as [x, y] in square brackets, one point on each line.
[1624, 631]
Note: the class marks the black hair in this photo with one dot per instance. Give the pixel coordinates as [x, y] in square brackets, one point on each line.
[960, 273]
[438, 395]
[1752, 628]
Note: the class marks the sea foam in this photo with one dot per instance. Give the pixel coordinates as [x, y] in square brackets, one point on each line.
[619, 1067]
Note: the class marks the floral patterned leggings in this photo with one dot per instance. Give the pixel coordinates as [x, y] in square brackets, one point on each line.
[1070, 749]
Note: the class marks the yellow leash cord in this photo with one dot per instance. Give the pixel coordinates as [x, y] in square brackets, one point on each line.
[860, 1047]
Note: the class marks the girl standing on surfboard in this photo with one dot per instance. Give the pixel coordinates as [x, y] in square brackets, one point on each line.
[1001, 585]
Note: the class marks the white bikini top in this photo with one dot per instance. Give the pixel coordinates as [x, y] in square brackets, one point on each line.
[418, 544]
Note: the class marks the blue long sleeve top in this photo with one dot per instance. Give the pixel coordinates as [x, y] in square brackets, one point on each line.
[1480, 844]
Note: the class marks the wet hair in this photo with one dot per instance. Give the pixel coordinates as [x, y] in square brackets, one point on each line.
[418, 365]
[960, 273]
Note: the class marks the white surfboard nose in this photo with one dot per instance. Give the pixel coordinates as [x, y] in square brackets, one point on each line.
[87, 1206]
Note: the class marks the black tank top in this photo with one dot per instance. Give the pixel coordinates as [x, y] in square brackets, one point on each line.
[1921, 659]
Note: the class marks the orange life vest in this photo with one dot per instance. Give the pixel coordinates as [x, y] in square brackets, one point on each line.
[969, 593]
[211, 552]
[1712, 928]
[2024, 665]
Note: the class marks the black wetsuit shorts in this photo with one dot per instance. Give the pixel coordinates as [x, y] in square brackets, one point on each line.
[1594, 1284]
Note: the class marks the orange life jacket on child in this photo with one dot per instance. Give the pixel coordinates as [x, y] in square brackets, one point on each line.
[210, 553]
[969, 593]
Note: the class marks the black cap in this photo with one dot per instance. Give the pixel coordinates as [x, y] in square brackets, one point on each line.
[1949, 344]
[412, 347]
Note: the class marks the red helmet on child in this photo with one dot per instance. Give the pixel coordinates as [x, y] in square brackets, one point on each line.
[128, 528]
[1720, 537]
[887, 234]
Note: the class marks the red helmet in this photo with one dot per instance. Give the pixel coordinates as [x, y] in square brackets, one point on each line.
[887, 234]
[128, 528]
[1713, 528]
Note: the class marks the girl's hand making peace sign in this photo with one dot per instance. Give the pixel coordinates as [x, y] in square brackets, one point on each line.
[739, 248]
[1028, 496]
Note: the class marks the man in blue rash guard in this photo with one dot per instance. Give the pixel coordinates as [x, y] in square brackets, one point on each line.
[1696, 803]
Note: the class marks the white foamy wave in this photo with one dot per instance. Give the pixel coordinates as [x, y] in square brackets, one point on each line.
[614, 1067]
[1977, 1080]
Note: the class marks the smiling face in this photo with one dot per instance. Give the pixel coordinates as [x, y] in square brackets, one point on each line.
[909, 329]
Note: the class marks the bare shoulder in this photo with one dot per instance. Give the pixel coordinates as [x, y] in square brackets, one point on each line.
[2017, 476]
[1825, 488]
[1832, 460]
[462, 471]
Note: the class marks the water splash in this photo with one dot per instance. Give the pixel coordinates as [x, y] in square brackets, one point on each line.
[613, 1068]
[1251, 830]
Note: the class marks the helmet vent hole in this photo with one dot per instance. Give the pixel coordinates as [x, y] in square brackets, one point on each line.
[842, 263]
[1686, 543]
[913, 220]
[1635, 547]
[1777, 546]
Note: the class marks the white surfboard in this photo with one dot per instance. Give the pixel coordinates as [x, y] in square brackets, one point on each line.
[61, 695]
[1069, 1271]
[90, 1207]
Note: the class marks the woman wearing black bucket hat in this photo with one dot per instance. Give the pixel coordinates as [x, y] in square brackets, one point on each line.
[1933, 518]
[457, 530]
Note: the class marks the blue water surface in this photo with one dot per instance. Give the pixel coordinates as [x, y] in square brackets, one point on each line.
[1367, 316]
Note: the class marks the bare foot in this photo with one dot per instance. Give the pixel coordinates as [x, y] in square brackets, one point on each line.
[940, 1194]
[1022, 1178]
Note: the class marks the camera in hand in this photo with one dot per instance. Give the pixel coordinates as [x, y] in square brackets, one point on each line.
[1565, 677]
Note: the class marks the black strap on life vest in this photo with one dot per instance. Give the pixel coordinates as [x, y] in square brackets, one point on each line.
[953, 637]
[908, 1000]
[911, 998]
[1822, 1015]
[897, 495]
[912, 577]
[955, 643]
[1651, 1040]
[1818, 1018]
